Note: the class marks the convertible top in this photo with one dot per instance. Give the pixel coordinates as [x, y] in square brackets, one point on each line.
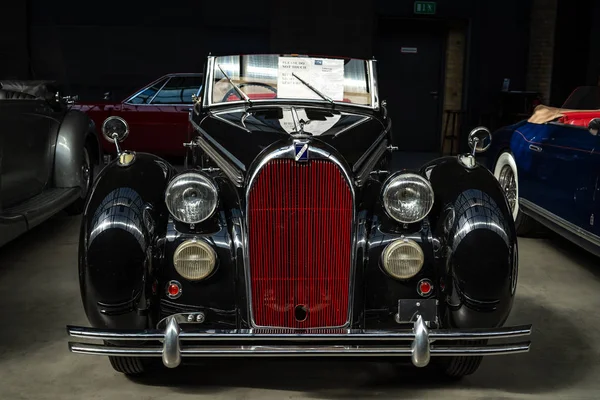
[39, 89]
[543, 114]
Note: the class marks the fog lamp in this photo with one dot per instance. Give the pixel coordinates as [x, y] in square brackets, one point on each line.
[194, 260]
[403, 259]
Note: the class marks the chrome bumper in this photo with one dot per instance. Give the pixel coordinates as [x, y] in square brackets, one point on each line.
[415, 342]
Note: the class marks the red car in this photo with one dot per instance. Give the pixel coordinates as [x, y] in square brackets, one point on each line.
[157, 115]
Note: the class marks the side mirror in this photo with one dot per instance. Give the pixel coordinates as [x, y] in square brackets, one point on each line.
[480, 139]
[594, 126]
[115, 130]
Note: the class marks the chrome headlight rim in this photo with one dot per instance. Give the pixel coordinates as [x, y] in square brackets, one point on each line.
[195, 241]
[388, 185]
[208, 180]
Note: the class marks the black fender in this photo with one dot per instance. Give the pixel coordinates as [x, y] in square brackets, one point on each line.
[479, 262]
[123, 216]
[76, 129]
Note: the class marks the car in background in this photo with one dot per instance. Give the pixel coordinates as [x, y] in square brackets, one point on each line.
[157, 115]
[303, 240]
[549, 168]
[47, 156]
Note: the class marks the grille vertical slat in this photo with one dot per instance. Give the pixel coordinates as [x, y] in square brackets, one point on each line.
[300, 244]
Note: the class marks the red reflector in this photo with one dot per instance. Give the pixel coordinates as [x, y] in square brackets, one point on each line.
[424, 287]
[174, 289]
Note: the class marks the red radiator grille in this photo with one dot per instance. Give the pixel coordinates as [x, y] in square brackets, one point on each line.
[300, 238]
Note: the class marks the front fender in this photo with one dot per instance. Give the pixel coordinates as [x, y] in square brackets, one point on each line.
[124, 214]
[473, 222]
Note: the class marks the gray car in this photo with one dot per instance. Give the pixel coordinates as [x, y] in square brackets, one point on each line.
[47, 156]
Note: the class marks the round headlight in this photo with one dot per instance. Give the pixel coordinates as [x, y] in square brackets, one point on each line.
[191, 198]
[408, 198]
[194, 260]
[403, 258]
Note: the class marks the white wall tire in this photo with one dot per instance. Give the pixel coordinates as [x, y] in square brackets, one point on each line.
[506, 173]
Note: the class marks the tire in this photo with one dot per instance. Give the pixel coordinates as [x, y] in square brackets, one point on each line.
[457, 367]
[505, 171]
[78, 205]
[128, 365]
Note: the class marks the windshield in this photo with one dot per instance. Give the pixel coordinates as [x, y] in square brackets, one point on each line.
[274, 77]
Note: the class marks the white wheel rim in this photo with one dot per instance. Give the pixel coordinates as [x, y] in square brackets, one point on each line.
[506, 174]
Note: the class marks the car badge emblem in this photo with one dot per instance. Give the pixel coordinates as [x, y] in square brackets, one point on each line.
[301, 152]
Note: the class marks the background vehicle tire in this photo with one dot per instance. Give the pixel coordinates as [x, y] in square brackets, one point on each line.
[128, 365]
[506, 173]
[88, 173]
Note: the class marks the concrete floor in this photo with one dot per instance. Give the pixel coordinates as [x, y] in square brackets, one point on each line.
[557, 292]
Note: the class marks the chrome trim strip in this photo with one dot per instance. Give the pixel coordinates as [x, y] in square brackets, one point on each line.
[316, 153]
[569, 226]
[230, 170]
[366, 169]
[366, 154]
[372, 71]
[219, 147]
[250, 335]
[354, 125]
[271, 351]
[217, 116]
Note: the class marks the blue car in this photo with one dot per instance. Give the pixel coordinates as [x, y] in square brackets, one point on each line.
[549, 165]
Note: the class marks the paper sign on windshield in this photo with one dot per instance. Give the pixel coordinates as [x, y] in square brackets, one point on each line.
[325, 75]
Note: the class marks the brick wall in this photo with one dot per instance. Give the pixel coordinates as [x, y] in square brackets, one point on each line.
[453, 86]
[541, 47]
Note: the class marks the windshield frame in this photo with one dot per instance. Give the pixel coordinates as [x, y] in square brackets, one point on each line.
[209, 82]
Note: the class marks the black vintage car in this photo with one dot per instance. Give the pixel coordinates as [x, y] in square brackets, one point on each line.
[47, 155]
[288, 235]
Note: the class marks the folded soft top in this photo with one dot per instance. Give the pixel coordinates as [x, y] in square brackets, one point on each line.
[40, 89]
[543, 114]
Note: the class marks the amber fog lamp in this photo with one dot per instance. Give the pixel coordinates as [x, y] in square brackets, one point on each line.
[191, 198]
[408, 198]
[403, 259]
[194, 260]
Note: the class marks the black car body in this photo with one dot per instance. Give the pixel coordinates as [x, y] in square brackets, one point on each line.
[288, 235]
[47, 156]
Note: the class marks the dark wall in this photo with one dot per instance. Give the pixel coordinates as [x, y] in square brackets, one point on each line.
[571, 43]
[118, 45]
[593, 71]
[14, 54]
[497, 48]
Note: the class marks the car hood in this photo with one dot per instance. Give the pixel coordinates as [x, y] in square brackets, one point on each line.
[244, 135]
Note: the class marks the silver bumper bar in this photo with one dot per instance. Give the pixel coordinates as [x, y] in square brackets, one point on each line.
[420, 343]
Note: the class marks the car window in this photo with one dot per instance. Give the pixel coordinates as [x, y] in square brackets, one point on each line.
[146, 95]
[179, 90]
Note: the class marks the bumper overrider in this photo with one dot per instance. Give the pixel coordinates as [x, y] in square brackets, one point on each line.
[419, 343]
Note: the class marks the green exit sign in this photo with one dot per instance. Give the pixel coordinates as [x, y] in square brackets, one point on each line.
[425, 7]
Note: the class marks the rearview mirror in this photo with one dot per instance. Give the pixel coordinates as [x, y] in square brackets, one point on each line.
[594, 126]
[480, 139]
[115, 129]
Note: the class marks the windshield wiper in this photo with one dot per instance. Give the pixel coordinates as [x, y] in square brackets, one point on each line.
[308, 85]
[236, 87]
